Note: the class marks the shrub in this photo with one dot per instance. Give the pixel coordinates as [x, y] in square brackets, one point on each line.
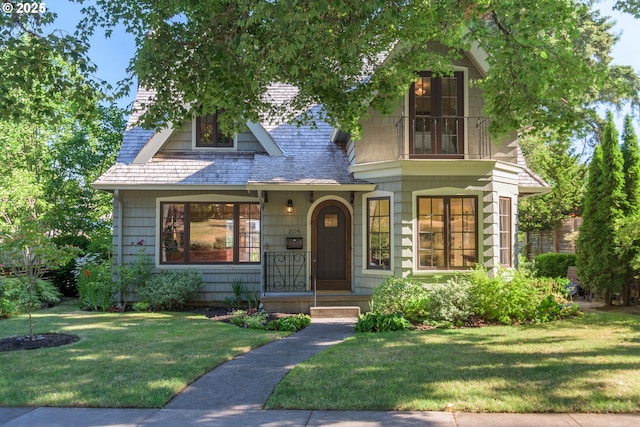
[381, 322]
[133, 275]
[8, 308]
[140, 306]
[290, 323]
[62, 276]
[515, 296]
[96, 289]
[16, 294]
[251, 319]
[401, 295]
[170, 290]
[451, 303]
[553, 264]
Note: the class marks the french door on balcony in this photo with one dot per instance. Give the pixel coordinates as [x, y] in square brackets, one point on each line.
[436, 108]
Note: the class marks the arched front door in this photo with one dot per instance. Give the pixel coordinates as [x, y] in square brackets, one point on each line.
[331, 246]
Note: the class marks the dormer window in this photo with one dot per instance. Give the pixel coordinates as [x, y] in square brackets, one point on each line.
[209, 134]
[436, 108]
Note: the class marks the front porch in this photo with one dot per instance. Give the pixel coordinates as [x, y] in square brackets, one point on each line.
[288, 286]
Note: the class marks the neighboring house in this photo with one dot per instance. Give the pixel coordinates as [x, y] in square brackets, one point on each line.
[288, 210]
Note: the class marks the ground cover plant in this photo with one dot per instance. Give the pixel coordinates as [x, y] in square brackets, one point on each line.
[132, 359]
[587, 363]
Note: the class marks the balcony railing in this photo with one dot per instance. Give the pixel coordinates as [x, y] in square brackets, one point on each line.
[286, 271]
[444, 137]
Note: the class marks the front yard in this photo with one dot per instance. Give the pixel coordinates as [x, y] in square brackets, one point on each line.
[589, 363]
[122, 360]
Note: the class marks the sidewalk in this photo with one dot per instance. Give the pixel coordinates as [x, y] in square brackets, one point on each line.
[234, 393]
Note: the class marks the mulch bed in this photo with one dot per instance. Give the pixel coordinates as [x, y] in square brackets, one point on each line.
[38, 341]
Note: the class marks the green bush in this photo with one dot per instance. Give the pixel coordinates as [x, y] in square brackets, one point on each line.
[553, 264]
[290, 323]
[8, 308]
[96, 289]
[401, 295]
[62, 276]
[451, 303]
[381, 322]
[251, 319]
[170, 290]
[515, 296]
[16, 295]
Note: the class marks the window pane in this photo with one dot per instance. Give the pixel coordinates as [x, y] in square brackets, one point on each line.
[211, 232]
[249, 222]
[379, 236]
[505, 231]
[172, 232]
[447, 232]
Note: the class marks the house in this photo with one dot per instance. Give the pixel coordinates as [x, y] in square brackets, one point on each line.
[308, 216]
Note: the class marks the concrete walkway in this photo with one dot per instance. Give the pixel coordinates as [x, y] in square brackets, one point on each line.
[234, 393]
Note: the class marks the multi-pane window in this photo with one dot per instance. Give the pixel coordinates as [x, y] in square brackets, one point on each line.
[436, 108]
[209, 233]
[209, 133]
[378, 233]
[447, 232]
[505, 231]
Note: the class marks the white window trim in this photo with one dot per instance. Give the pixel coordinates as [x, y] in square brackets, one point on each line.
[194, 147]
[445, 192]
[365, 258]
[213, 198]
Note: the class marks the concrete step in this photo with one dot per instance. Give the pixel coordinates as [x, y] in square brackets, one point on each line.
[335, 312]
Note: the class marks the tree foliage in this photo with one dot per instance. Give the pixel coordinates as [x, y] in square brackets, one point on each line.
[548, 59]
[41, 67]
[558, 164]
[598, 260]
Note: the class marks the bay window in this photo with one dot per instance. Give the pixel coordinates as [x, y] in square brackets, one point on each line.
[447, 232]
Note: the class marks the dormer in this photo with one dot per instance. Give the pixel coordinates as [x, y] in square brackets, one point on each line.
[207, 134]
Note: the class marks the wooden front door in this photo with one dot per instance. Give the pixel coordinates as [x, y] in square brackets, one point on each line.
[331, 246]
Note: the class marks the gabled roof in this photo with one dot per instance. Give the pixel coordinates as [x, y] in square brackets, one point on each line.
[296, 156]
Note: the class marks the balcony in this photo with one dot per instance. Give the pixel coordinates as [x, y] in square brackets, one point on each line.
[444, 137]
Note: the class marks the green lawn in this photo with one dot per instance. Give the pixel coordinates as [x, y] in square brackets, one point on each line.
[586, 364]
[122, 360]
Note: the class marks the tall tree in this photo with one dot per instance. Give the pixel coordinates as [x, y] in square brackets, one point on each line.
[598, 259]
[631, 168]
[558, 164]
[548, 59]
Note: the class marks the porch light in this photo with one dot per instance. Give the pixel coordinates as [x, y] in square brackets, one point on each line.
[289, 206]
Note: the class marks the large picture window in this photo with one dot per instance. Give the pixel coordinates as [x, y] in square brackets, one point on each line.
[209, 134]
[447, 232]
[209, 233]
[378, 233]
[436, 108]
[505, 231]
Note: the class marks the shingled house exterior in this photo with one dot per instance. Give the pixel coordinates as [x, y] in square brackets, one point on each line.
[307, 216]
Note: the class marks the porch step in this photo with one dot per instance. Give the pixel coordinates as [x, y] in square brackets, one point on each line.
[335, 312]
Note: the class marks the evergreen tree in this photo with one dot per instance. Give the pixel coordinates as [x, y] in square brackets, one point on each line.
[589, 239]
[599, 262]
[631, 159]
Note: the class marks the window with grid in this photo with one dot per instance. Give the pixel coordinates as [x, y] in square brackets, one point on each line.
[209, 233]
[379, 233]
[436, 108]
[505, 231]
[209, 134]
[447, 232]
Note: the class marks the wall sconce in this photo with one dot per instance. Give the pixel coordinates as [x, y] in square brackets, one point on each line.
[289, 206]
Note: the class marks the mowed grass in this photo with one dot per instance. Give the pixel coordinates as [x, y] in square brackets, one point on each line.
[122, 360]
[590, 363]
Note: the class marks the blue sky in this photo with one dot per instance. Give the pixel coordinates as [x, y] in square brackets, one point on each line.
[112, 55]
